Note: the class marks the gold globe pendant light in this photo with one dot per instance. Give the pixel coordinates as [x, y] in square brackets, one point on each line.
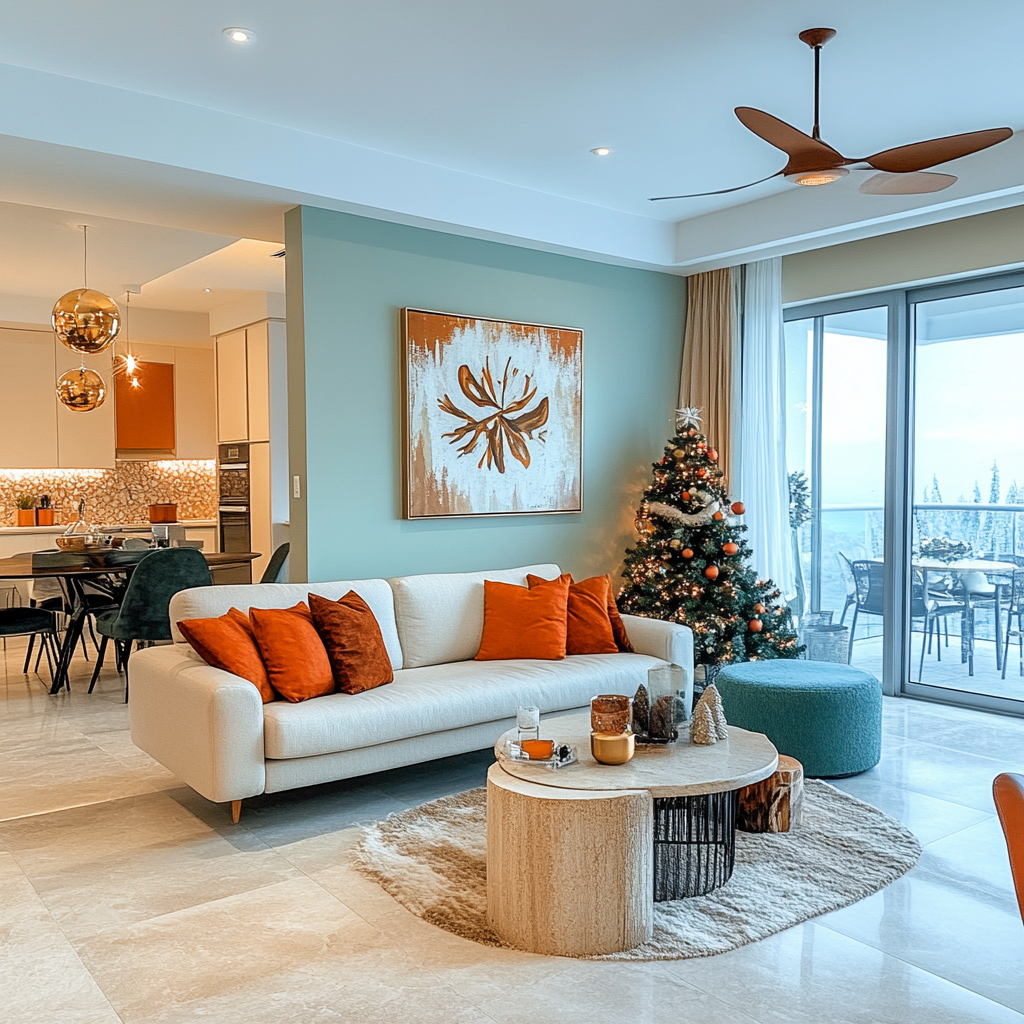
[86, 320]
[81, 390]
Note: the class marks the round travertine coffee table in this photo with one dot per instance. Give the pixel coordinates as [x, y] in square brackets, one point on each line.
[577, 857]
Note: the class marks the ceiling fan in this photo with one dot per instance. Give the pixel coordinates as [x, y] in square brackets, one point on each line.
[901, 171]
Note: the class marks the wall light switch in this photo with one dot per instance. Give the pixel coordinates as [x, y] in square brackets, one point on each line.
[296, 487]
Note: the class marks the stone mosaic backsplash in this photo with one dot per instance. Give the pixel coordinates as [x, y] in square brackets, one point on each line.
[115, 496]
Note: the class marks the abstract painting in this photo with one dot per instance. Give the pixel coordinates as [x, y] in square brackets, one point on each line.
[493, 413]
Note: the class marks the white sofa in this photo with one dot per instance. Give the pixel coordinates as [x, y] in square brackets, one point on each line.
[212, 730]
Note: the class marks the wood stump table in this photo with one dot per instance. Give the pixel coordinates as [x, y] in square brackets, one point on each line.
[775, 804]
[577, 857]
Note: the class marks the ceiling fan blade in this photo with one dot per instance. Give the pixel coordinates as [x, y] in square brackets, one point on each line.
[805, 153]
[717, 192]
[911, 184]
[920, 155]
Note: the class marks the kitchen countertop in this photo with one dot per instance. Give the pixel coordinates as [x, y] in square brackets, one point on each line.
[120, 528]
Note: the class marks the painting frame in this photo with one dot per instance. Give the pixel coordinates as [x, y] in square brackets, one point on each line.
[415, 502]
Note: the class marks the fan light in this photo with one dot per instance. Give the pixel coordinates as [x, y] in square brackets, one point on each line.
[818, 177]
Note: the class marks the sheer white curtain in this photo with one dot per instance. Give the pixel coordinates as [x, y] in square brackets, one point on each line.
[758, 477]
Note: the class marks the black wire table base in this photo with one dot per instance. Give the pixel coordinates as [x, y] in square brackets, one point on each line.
[694, 844]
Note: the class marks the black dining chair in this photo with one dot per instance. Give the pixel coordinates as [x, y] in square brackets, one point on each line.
[869, 577]
[273, 570]
[144, 614]
[32, 622]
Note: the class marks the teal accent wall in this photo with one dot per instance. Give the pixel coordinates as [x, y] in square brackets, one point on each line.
[348, 279]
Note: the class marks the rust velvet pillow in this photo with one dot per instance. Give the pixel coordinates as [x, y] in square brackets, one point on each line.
[520, 622]
[588, 623]
[353, 641]
[227, 643]
[291, 648]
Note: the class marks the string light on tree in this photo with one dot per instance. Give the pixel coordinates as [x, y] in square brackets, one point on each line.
[691, 561]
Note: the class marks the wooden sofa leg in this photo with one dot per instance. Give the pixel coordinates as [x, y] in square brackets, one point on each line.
[236, 811]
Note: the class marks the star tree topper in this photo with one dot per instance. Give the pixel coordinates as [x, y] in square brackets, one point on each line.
[687, 417]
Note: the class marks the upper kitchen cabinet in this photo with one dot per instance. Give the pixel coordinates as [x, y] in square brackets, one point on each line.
[232, 388]
[85, 440]
[251, 382]
[28, 421]
[145, 410]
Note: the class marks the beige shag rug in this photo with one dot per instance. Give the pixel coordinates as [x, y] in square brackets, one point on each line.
[433, 860]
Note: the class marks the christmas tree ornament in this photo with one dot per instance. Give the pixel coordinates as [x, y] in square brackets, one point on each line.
[679, 454]
[712, 699]
[755, 625]
[760, 608]
[718, 516]
[711, 572]
[686, 495]
[712, 455]
[688, 416]
[738, 508]
[675, 543]
[731, 549]
[687, 552]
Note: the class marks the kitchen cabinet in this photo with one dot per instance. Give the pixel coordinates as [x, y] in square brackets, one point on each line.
[232, 388]
[195, 401]
[85, 440]
[261, 529]
[28, 416]
[144, 415]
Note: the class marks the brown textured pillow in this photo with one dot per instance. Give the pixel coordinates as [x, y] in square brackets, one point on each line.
[352, 638]
[293, 652]
[227, 643]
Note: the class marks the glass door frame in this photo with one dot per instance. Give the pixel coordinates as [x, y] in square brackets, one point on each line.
[898, 515]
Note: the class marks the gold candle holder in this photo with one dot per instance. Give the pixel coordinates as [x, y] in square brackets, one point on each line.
[612, 747]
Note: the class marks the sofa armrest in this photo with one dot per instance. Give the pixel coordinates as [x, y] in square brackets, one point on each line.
[201, 723]
[666, 640]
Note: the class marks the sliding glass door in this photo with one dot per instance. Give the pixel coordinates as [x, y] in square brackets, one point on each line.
[905, 443]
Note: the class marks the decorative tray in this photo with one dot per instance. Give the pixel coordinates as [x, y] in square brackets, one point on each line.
[563, 755]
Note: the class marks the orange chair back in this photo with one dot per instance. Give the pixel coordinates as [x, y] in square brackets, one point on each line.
[1008, 793]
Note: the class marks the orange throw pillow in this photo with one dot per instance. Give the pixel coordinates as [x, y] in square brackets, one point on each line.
[228, 644]
[618, 626]
[588, 625]
[524, 623]
[293, 652]
[354, 643]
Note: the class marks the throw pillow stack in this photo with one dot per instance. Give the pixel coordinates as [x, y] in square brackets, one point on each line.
[297, 653]
[549, 619]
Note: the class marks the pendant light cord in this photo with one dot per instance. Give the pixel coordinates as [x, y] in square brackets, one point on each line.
[85, 254]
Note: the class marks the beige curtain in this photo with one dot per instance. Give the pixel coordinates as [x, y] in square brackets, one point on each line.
[706, 378]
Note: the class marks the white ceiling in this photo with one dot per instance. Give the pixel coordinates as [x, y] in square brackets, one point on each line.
[480, 115]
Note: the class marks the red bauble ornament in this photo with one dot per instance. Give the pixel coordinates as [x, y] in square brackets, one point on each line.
[755, 625]
[691, 432]
[731, 549]
[718, 516]
[702, 471]
[701, 445]
[686, 495]
[760, 608]
[687, 552]
[712, 455]
[711, 572]
[738, 508]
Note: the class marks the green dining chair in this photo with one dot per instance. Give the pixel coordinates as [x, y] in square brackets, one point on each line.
[32, 622]
[272, 572]
[144, 615]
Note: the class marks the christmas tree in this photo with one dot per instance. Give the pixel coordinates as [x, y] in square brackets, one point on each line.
[690, 562]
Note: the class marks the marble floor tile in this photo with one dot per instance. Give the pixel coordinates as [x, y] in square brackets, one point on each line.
[928, 817]
[42, 978]
[812, 975]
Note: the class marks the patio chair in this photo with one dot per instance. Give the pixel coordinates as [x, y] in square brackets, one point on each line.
[846, 568]
[869, 578]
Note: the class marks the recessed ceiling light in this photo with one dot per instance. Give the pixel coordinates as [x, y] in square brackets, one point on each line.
[601, 151]
[240, 35]
[207, 290]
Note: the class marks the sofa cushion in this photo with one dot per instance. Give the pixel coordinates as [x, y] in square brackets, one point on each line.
[295, 656]
[588, 622]
[441, 616]
[228, 642]
[353, 642]
[524, 623]
[208, 602]
[437, 698]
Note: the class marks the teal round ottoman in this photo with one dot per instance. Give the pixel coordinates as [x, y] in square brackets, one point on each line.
[827, 716]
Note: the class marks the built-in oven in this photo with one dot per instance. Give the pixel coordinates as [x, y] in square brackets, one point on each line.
[233, 514]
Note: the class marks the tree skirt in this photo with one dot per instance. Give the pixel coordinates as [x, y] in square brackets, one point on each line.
[433, 860]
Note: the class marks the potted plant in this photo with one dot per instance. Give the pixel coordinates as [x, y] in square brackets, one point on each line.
[44, 513]
[26, 510]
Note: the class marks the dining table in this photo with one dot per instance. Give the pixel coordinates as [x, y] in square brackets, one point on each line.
[75, 570]
[929, 567]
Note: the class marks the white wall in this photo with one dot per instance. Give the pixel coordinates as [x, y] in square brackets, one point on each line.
[983, 244]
